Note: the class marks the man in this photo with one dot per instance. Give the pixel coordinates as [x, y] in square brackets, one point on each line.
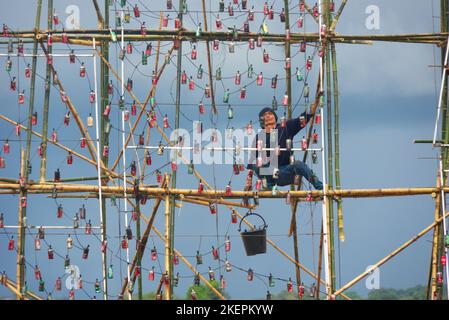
[286, 171]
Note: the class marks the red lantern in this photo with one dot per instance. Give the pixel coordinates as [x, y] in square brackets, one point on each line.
[23, 202]
[194, 53]
[50, 253]
[175, 259]
[251, 44]
[233, 217]
[309, 64]
[107, 111]
[222, 283]
[133, 109]
[85, 256]
[136, 11]
[37, 273]
[315, 11]
[159, 177]
[191, 84]
[27, 71]
[105, 151]
[64, 37]
[443, 260]
[67, 118]
[110, 88]
[332, 6]
[54, 136]
[243, 93]
[304, 143]
[92, 96]
[165, 122]
[218, 23]
[200, 187]
[151, 274]
[143, 29]
[266, 57]
[285, 99]
[148, 158]
[289, 286]
[49, 40]
[22, 97]
[148, 50]
[228, 245]
[174, 166]
[184, 77]
[250, 275]
[259, 79]
[104, 246]
[265, 8]
[215, 253]
[237, 78]
[317, 118]
[124, 243]
[34, 119]
[6, 147]
[177, 23]
[228, 191]
[230, 10]
[216, 45]
[11, 244]
[37, 244]
[13, 84]
[58, 284]
[83, 142]
[137, 272]
[315, 137]
[154, 254]
[60, 212]
[82, 70]
[300, 21]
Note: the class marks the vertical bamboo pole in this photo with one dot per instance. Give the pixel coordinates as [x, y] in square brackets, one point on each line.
[24, 166]
[173, 176]
[341, 232]
[167, 240]
[330, 148]
[432, 287]
[21, 234]
[139, 257]
[104, 78]
[320, 262]
[46, 100]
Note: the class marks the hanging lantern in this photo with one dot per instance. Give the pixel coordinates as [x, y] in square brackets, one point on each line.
[83, 142]
[215, 253]
[237, 78]
[69, 242]
[314, 137]
[153, 254]
[86, 252]
[158, 177]
[315, 11]
[231, 47]
[191, 84]
[199, 258]
[82, 212]
[165, 122]
[110, 272]
[439, 278]
[50, 253]
[222, 283]
[309, 63]
[143, 29]
[88, 229]
[228, 191]
[266, 57]
[250, 275]
[63, 96]
[13, 84]
[124, 243]
[230, 112]
[289, 285]
[67, 119]
[60, 212]
[304, 143]
[82, 70]
[193, 295]
[200, 187]
[58, 284]
[230, 10]
[49, 39]
[274, 82]
[105, 151]
[443, 260]
[11, 244]
[64, 37]
[300, 21]
[148, 49]
[129, 84]
[228, 244]
[332, 6]
[37, 244]
[2, 221]
[6, 147]
[228, 266]
[259, 79]
[151, 274]
[22, 97]
[76, 221]
[212, 208]
[288, 63]
[285, 99]
[177, 23]
[218, 74]
[57, 176]
[5, 31]
[194, 53]
[104, 246]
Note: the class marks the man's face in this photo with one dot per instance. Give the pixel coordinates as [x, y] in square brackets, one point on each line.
[269, 120]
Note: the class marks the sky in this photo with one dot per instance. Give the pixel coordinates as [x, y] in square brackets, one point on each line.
[387, 99]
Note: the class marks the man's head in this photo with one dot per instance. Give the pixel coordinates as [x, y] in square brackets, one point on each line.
[268, 118]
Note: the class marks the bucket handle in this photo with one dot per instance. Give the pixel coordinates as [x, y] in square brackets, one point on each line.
[249, 213]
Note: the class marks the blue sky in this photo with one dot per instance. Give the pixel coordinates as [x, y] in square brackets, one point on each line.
[387, 97]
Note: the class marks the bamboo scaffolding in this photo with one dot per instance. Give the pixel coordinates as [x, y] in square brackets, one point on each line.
[432, 284]
[209, 62]
[390, 256]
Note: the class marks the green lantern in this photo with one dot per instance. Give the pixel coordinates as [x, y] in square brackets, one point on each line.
[144, 59]
[250, 71]
[110, 272]
[8, 65]
[122, 3]
[275, 190]
[298, 75]
[121, 103]
[190, 167]
[271, 280]
[198, 30]
[218, 74]
[447, 240]
[230, 113]
[226, 96]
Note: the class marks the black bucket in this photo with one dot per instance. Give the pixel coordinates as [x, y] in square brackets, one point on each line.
[255, 240]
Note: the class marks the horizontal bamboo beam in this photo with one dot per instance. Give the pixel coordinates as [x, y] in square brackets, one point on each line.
[187, 35]
[348, 193]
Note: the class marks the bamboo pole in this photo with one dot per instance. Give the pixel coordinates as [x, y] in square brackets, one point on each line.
[320, 262]
[432, 285]
[209, 62]
[46, 100]
[25, 159]
[85, 36]
[337, 16]
[341, 232]
[167, 240]
[390, 256]
[356, 193]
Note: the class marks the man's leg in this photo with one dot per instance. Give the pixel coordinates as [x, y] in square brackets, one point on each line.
[287, 174]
